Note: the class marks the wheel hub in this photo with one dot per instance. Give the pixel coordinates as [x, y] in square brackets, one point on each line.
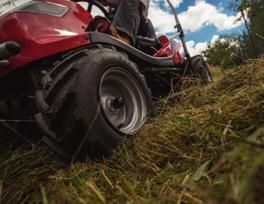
[123, 100]
[113, 104]
[118, 103]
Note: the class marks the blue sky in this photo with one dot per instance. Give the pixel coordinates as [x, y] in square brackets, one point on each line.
[207, 32]
[204, 20]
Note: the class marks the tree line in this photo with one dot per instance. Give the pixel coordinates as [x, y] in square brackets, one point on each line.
[229, 51]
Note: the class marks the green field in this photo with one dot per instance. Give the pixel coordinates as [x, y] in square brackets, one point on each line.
[206, 148]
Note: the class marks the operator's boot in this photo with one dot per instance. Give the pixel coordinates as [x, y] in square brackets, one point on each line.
[120, 36]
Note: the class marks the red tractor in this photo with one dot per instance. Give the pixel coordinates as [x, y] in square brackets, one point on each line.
[86, 88]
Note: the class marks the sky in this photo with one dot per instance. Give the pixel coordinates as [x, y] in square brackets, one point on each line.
[203, 21]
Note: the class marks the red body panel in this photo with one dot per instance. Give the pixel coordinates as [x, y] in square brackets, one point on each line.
[167, 50]
[42, 35]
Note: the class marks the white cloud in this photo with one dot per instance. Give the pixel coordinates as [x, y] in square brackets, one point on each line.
[176, 3]
[215, 38]
[196, 48]
[162, 20]
[194, 18]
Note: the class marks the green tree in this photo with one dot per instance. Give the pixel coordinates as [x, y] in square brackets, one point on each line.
[256, 18]
[252, 40]
[224, 52]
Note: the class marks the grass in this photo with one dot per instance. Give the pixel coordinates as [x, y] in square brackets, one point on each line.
[216, 72]
[206, 149]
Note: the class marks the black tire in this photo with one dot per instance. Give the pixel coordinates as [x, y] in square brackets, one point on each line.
[198, 68]
[76, 119]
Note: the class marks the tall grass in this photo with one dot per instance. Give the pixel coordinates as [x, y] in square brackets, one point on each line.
[208, 148]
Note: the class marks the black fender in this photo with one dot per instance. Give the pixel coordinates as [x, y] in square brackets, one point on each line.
[134, 54]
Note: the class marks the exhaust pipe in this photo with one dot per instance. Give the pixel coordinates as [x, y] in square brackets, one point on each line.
[9, 49]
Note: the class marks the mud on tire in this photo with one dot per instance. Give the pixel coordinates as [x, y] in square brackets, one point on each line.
[95, 99]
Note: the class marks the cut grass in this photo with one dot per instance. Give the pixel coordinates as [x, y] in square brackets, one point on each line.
[206, 149]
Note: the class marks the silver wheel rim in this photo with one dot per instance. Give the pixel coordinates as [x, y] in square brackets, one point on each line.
[123, 100]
